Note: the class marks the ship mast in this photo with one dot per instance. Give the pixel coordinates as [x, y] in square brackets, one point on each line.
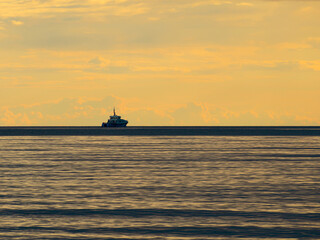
[114, 111]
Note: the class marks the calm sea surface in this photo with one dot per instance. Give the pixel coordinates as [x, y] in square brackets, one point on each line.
[159, 187]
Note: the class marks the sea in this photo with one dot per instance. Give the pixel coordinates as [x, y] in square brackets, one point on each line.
[160, 183]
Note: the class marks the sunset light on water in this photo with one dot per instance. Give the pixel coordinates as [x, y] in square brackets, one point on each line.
[157, 119]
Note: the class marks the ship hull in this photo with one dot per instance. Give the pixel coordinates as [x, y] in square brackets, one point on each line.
[107, 124]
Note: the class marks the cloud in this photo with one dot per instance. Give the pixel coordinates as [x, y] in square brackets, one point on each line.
[190, 115]
[314, 65]
[67, 111]
[201, 115]
[17, 23]
[86, 112]
[148, 117]
[51, 8]
[2, 26]
[97, 9]
[275, 65]
[101, 65]
[99, 62]
[245, 4]
[96, 61]
[292, 45]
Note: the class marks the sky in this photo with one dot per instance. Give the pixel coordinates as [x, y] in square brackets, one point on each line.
[160, 62]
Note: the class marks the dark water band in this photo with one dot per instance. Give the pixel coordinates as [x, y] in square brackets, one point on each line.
[160, 131]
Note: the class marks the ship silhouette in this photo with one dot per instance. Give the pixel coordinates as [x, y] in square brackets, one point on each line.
[115, 121]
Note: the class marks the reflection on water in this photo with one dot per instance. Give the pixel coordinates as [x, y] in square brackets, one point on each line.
[123, 187]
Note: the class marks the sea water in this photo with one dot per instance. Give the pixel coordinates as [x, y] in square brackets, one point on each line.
[159, 187]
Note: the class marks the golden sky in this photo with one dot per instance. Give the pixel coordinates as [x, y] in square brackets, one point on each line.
[160, 62]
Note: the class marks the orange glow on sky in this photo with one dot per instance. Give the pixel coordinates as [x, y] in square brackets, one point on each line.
[191, 62]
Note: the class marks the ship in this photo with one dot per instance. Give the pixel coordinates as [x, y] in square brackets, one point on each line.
[115, 121]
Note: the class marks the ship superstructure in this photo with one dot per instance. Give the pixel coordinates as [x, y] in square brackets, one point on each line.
[115, 121]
